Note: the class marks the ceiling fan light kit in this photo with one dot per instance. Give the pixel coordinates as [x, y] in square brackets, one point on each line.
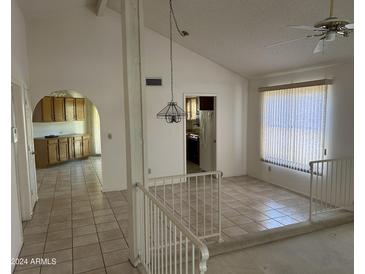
[326, 30]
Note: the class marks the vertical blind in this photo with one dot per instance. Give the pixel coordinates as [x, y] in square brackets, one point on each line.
[293, 126]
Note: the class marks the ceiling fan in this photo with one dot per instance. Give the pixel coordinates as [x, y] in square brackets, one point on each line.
[326, 30]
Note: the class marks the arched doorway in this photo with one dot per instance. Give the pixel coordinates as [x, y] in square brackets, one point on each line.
[66, 130]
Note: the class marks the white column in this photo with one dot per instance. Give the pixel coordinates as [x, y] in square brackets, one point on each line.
[132, 28]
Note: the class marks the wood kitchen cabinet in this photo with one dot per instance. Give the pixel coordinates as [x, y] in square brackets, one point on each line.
[52, 148]
[44, 111]
[85, 146]
[50, 151]
[70, 108]
[78, 146]
[59, 109]
[71, 148]
[63, 149]
[80, 109]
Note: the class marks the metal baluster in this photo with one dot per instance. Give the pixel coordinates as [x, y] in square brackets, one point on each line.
[173, 196]
[197, 204]
[189, 205]
[175, 257]
[326, 184]
[193, 258]
[158, 240]
[181, 195]
[162, 244]
[330, 203]
[316, 207]
[336, 181]
[186, 255]
[219, 207]
[204, 215]
[322, 168]
[211, 204]
[181, 240]
[166, 261]
[164, 191]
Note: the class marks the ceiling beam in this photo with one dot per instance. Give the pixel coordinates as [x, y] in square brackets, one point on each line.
[100, 7]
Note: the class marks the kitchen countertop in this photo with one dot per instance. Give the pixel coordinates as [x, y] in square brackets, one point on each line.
[61, 136]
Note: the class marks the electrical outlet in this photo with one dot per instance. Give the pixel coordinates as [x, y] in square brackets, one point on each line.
[269, 168]
[110, 136]
[149, 171]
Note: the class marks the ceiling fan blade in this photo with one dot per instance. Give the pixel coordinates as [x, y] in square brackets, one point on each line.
[330, 36]
[286, 42]
[310, 28]
[350, 26]
[320, 46]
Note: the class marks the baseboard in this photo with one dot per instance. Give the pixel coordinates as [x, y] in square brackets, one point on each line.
[113, 188]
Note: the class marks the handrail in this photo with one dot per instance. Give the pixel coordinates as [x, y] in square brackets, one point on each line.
[190, 175]
[330, 160]
[331, 185]
[195, 240]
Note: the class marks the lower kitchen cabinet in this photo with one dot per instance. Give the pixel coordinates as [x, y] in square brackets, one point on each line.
[50, 151]
[78, 146]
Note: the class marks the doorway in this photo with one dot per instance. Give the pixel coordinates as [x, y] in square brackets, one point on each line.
[200, 133]
[66, 128]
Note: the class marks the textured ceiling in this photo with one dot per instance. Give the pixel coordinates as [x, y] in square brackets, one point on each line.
[233, 33]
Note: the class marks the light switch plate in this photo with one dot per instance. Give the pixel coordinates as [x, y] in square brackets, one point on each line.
[14, 135]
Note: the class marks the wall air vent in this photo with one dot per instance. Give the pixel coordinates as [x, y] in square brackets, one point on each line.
[153, 82]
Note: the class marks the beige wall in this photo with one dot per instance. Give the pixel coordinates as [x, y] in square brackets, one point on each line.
[339, 124]
[76, 50]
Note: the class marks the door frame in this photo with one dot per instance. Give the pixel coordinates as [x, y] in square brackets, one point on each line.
[199, 94]
[27, 198]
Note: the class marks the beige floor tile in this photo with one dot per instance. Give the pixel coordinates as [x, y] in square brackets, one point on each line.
[84, 230]
[31, 249]
[104, 219]
[107, 226]
[58, 245]
[125, 268]
[28, 262]
[86, 251]
[270, 224]
[253, 227]
[58, 268]
[60, 256]
[87, 264]
[234, 231]
[113, 245]
[116, 257]
[110, 235]
[96, 271]
[35, 270]
[85, 240]
[82, 222]
[58, 235]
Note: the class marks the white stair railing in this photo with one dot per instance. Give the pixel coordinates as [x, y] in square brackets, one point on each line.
[195, 199]
[166, 245]
[331, 185]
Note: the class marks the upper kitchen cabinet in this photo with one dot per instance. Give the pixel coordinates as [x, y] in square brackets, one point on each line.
[70, 108]
[59, 109]
[80, 108]
[44, 111]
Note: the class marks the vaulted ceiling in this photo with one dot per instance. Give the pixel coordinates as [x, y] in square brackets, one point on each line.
[233, 33]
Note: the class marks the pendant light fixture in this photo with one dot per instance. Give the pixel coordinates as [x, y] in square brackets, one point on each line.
[172, 113]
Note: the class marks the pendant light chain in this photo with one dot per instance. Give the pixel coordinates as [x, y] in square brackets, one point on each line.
[171, 61]
[172, 113]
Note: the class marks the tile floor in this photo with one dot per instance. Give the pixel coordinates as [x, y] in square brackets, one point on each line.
[74, 222]
[86, 230]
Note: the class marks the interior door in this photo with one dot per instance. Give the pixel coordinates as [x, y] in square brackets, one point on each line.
[30, 147]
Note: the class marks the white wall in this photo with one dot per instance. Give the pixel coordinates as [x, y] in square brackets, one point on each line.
[339, 124]
[84, 54]
[19, 75]
[76, 50]
[193, 74]
[59, 128]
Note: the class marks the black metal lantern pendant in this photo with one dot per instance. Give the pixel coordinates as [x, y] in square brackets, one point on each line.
[172, 113]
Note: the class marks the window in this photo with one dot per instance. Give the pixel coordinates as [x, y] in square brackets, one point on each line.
[293, 125]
